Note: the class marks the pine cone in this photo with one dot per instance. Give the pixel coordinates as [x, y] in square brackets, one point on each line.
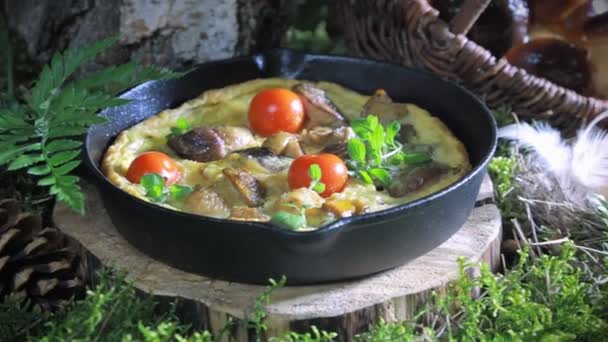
[35, 262]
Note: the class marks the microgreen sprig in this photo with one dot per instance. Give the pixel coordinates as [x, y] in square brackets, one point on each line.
[315, 173]
[289, 220]
[375, 151]
[157, 191]
[181, 126]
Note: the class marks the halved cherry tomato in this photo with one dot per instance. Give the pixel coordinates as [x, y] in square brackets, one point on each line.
[333, 172]
[275, 110]
[153, 162]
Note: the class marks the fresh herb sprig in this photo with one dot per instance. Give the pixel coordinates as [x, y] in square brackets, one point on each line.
[157, 191]
[315, 173]
[181, 126]
[41, 135]
[290, 220]
[375, 151]
[293, 221]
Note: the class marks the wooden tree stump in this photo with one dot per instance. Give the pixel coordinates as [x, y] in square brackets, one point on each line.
[346, 308]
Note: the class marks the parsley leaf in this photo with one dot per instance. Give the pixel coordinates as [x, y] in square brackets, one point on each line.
[314, 171]
[181, 126]
[154, 185]
[381, 175]
[375, 152]
[356, 150]
[179, 192]
[288, 220]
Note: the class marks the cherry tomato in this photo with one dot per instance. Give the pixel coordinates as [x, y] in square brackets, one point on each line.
[153, 162]
[333, 172]
[275, 110]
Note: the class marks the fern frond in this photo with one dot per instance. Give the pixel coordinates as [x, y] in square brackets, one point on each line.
[38, 136]
[62, 66]
[10, 154]
[119, 78]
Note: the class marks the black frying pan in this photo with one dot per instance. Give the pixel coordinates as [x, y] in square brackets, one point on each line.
[253, 252]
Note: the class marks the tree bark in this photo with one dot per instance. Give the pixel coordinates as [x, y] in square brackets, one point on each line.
[170, 33]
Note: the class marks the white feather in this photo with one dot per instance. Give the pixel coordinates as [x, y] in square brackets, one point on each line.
[580, 168]
[590, 157]
[544, 141]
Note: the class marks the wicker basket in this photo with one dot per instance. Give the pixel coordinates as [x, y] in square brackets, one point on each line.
[409, 32]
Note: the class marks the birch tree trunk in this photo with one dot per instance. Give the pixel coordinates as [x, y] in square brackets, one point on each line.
[170, 33]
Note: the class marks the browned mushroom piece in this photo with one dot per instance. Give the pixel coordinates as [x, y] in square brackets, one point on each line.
[284, 143]
[267, 159]
[382, 106]
[248, 214]
[558, 61]
[502, 25]
[339, 149]
[251, 190]
[318, 138]
[320, 110]
[206, 144]
[414, 179]
[206, 202]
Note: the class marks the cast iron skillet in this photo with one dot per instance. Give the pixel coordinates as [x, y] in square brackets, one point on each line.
[254, 252]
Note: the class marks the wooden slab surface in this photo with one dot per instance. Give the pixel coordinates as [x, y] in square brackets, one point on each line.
[346, 307]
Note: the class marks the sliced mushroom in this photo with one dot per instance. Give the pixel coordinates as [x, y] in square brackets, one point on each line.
[206, 202]
[250, 189]
[206, 144]
[318, 138]
[284, 143]
[339, 149]
[557, 60]
[267, 159]
[382, 106]
[345, 208]
[319, 108]
[248, 214]
[414, 179]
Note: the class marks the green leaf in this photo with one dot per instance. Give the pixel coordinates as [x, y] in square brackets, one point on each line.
[66, 131]
[10, 154]
[319, 187]
[181, 126]
[39, 170]
[10, 120]
[63, 157]
[67, 167]
[415, 158]
[356, 150]
[154, 184]
[288, 220]
[381, 175]
[365, 177]
[61, 67]
[377, 139]
[62, 145]
[178, 192]
[46, 181]
[391, 132]
[314, 171]
[70, 194]
[24, 160]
